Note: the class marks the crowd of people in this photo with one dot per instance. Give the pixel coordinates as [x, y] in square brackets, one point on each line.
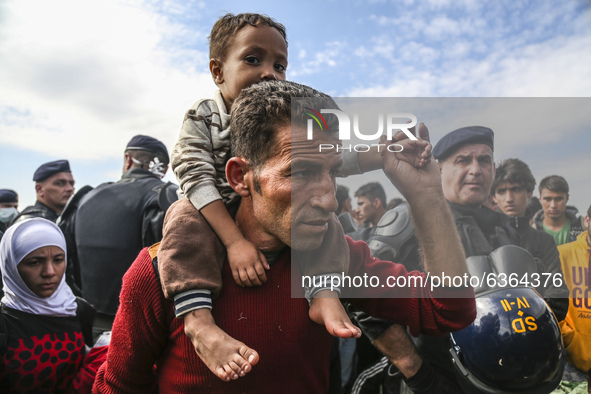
[141, 285]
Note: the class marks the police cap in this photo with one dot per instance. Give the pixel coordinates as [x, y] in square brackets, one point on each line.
[48, 169]
[144, 142]
[457, 138]
[7, 195]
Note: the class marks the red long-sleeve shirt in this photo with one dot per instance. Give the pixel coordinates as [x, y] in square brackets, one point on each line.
[294, 351]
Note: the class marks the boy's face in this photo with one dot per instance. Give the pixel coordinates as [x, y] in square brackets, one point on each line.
[367, 211]
[553, 203]
[512, 198]
[256, 54]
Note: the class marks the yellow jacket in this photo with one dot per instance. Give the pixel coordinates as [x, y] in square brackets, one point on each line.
[576, 327]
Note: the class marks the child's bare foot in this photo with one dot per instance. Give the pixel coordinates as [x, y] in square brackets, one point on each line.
[226, 357]
[327, 309]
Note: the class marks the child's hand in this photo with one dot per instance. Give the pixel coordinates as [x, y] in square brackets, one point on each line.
[248, 264]
[416, 153]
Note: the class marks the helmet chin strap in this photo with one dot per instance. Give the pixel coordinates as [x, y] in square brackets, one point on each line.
[154, 166]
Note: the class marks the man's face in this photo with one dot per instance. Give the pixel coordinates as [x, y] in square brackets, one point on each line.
[512, 198]
[553, 203]
[256, 54]
[297, 189]
[367, 211]
[56, 190]
[467, 175]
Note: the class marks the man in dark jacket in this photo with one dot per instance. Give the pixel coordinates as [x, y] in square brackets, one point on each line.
[115, 221]
[512, 188]
[54, 185]
[466, 162]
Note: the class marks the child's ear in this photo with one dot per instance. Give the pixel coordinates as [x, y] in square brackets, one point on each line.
[238, 173]
[215, 67]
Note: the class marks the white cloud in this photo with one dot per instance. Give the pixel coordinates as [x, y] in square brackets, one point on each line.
[554, 68]
[319, 62]
[80, 78]
[442, 27]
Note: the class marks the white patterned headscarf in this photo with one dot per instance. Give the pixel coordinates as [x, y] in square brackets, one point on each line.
[18, 241]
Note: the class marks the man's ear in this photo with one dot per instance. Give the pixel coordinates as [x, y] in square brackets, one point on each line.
[239, 175]
[440, 166]
[127, 162]
[38, 188]
[377, 203]
[215, 67]
[587, 221]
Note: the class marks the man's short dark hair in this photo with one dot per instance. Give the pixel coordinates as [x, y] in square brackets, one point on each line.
[514, 171]
[554, 183]
[342, 195]
[227, 27]
[372, 191]
[264, 107]
[589, 213]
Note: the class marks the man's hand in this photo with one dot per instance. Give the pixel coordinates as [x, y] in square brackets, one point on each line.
[412, 169]
[421, 186]
[248, 263]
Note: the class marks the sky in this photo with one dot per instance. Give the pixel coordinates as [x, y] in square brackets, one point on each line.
[78, 79]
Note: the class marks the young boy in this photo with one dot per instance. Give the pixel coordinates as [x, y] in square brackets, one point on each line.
[244, 49]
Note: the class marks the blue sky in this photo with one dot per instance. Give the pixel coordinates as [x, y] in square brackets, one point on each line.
[80, 78]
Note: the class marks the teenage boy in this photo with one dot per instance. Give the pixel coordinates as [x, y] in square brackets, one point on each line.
[512, 188]
[556, 218]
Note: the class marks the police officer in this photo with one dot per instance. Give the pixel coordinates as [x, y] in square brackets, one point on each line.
[115, 221]
[8, 208]
[466, 161]
[54, 185]
[8, 211]
[467, 167]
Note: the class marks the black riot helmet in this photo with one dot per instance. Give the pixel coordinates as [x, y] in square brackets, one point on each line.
[514, 345]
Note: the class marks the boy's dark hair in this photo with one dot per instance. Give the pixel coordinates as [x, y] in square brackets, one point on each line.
[342, 195]
[262, 108]
[372, 191]
[225, 29]
[514, 171]
[554, 183]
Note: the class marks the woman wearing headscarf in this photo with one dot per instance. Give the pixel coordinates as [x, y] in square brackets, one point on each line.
[41, 322]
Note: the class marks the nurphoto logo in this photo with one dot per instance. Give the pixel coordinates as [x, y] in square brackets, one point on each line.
[391, 123]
